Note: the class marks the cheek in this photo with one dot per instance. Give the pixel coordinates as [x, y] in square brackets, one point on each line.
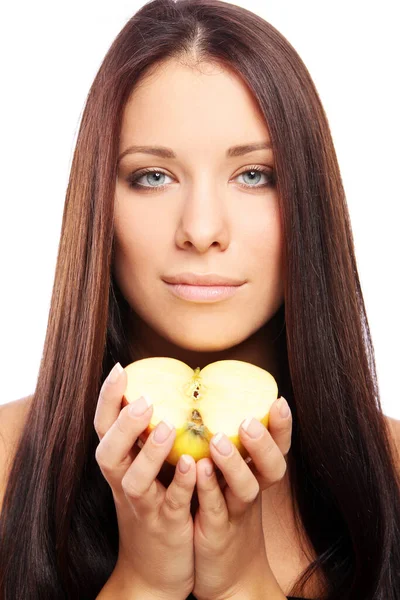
[265, 242]
[136, 243]
[265, 254]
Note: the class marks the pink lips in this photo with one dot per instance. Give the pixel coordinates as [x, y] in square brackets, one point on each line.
[201, 293]
[203, 279]
[203, 287]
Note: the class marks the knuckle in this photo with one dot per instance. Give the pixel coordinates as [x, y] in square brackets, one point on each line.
[171, 503]
[130, 488]
[250, 497]
[98, 429]
[251, 491]
[99, 455]
[283, 471]
[217, 508]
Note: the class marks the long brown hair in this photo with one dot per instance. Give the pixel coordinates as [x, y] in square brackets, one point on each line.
[58, 528]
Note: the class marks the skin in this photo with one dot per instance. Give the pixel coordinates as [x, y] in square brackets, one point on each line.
[204, 221]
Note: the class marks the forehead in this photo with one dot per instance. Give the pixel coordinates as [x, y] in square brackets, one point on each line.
[176, 104]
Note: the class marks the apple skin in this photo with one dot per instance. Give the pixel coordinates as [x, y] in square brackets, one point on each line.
[185, 443]
[195, 440]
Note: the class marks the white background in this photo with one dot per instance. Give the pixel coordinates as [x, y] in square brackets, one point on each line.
[49, 55]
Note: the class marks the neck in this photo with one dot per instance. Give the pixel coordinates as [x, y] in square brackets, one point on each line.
[258, 349]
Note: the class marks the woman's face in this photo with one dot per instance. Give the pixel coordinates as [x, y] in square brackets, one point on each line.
[213, 215]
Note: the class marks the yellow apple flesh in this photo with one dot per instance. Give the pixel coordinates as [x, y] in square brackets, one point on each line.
[201, 402]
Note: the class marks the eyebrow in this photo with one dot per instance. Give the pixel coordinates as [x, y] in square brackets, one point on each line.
[164, 152]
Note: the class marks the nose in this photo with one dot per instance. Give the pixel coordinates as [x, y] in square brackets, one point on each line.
[204, 221]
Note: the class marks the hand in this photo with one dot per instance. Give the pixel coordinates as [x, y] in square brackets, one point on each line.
[155, 524]
[229, 546]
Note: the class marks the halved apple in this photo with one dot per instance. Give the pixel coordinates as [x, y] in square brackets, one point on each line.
[201, 402]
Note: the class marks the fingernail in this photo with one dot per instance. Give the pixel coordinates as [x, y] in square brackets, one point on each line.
[162, 431]
[222, 444]
[253, 427]
[284, 409]
[184, 464]
[209, 470]
[115, 373]
[140, 406]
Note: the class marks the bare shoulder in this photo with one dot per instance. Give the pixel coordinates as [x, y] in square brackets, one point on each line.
[394, 428]
[394, 425]
[12, 421]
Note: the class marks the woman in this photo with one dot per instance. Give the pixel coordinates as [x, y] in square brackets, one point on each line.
[86, 512]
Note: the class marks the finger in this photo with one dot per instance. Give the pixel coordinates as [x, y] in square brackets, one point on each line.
[139, 483]
[242, 486]
[179, 493]
[213, 512]
[267, 458]
[114, 453]
[280, 425]
[110, 398]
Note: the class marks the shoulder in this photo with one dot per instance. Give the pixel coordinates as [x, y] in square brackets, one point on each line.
[394, 436]
[394, 430]
[12, 420]
[394, 424]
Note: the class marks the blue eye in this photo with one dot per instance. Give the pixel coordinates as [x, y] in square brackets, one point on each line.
[255, 171]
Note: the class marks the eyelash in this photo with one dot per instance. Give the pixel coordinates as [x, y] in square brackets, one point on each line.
[133, 178]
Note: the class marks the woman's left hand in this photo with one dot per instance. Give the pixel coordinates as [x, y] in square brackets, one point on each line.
[229, 546]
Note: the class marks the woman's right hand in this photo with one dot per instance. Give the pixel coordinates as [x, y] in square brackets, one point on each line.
[155, 523]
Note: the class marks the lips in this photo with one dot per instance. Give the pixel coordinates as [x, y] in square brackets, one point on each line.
[203, 279]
